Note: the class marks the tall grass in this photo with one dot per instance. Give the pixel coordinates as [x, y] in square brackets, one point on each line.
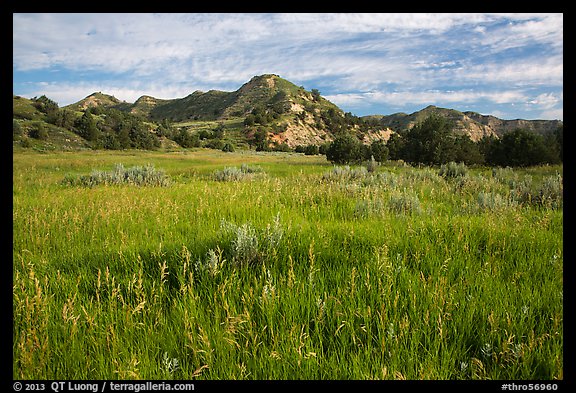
[293, 275]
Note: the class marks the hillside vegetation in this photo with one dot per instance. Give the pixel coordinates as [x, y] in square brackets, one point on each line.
[270, 113]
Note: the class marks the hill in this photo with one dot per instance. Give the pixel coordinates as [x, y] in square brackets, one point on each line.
[287, 113]
[94, 100]
[32, 129]
[472, 124]
[267, 112]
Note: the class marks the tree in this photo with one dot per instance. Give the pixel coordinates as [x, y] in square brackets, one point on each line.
[62, 118]
[344, 149]
[315, 94]
[559, 134]
[525, 148]
[87, 128]
[249, 120]
[430, 142]
[45, 104]
[185, 139]
[311, 150]
[467, 151]
[16, 130]
[228, 147]
[395, 145]
[521, 148]
[39, 131]
[218, 131]
[261, 140]
[379, 151]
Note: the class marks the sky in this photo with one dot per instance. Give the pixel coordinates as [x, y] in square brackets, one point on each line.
[506, 65]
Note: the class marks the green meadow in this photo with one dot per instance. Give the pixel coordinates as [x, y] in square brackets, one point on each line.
[254, 265]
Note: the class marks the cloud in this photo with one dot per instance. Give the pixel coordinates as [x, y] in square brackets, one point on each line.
[426, 97]
[355, 57]
[68, 93]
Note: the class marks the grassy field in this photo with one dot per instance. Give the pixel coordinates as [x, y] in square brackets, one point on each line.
[280, 266]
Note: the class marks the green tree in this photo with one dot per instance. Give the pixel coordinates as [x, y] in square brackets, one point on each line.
[45, 104]
[311, 150]
[249, 120]
[344, 149]
[218, 131]
[39, 131]
[525, 148]
[430, 142]
[63, 118]
[315, 94]
[395, 145]
[559, 134]
[16, 130]
[228, 147]
[467, 151]
[87, 127]
[379, 151]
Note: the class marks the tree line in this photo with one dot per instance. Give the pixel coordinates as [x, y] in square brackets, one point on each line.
[433, 142]
[430, 142]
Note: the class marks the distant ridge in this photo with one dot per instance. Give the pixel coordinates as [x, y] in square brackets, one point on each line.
[301, 116]
[473, 124]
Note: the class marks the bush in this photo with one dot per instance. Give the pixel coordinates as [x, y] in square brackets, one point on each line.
[344, 173]
[369, 208]
[248, 245]
[311, 150]
[371, 165]
[137, 175]
[489, 201]
[235, 174]
[551, 193]
[228, 147]
[404, 202]
[16, 130]
[453, 170]
[39, 132]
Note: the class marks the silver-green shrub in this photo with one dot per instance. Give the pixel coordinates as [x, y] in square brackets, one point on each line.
[236, 174]
[249, 245]
[551, 192]
[137, 175]
[404, 202]
[490, 201]
[453, 170]
[345, 173]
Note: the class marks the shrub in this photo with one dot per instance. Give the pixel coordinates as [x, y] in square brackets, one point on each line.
[344, 149]
[368, 208]
[311, 150]
[137, 175]
[489, 201]
[250, 246]
[404, 202]
[16, 130]
[504, 175]
[550, 193]
[371, 165]
[235, 174]
[38, 131]
[453, 170]
[522, 190]
[228, 147]
[340, 173]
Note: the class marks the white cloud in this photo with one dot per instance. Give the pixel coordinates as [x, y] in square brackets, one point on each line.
[427, 97]
[356, 58]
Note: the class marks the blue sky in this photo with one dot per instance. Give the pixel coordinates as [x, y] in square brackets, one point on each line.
[507, 65]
